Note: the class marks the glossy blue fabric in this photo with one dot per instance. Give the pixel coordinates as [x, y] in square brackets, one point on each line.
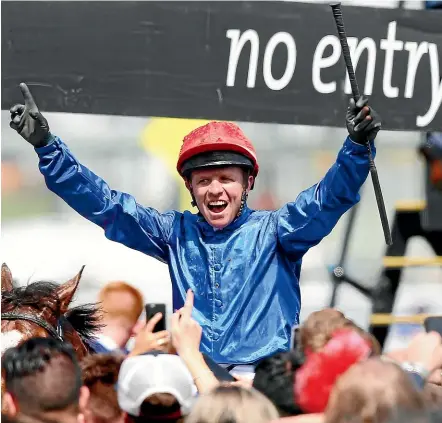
[246, 276]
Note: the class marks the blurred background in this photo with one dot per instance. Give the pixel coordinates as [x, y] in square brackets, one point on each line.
[42, 238]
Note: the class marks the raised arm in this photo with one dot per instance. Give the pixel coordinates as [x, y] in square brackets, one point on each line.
[123, 220]
[303, 223]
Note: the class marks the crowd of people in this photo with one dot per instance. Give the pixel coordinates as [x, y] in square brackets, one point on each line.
[334, 373]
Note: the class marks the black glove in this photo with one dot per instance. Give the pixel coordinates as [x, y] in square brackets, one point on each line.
[363, 123]
[28, 121]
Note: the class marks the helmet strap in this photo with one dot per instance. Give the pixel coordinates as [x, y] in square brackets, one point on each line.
[193, 202]
[189, 187]
[243, 202]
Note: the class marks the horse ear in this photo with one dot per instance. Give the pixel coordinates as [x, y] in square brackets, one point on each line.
[67, 290]
[6, 278]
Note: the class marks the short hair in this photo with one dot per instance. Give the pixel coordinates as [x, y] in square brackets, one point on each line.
[43, 375]
[113, 309]
[373, 391]
[320, 326]
[159, 408]
[274, 377]
[100, 374]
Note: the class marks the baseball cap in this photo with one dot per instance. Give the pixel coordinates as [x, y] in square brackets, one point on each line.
[144, 375]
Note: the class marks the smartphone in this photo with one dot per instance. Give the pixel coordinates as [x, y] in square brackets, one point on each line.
[151, 310]
[295, 337]
[433, 324]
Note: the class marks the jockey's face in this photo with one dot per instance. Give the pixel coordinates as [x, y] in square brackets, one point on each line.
[218, 193]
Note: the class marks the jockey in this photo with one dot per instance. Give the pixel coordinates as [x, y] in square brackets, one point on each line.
[243, 265]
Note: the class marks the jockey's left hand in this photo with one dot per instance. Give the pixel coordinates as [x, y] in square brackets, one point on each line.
[363, 122]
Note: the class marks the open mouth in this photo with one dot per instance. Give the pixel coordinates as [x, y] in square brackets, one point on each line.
[217, 206]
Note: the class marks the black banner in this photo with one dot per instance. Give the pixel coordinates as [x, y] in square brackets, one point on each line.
[245, 61]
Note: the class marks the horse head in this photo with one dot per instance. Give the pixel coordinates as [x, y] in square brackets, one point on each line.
[41, 309]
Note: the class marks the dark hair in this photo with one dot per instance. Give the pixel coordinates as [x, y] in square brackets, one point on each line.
[158, 413]
[274, 377]
[42, 374]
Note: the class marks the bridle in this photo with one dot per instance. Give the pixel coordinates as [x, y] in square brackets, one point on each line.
[56, 333]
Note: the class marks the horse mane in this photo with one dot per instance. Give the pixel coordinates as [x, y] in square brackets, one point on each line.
[38, 295]
[84, 319]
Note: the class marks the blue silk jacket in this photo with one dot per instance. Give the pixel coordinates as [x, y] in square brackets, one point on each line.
[245, 277]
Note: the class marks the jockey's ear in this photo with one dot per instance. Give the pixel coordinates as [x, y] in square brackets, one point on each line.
[66, 291]
[6, 278]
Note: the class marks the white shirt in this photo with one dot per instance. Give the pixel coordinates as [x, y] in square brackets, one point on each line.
[107, 342]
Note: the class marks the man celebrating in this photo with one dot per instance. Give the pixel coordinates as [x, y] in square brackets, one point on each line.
[243, 265]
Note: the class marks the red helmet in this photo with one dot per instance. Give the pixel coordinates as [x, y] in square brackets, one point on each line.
[216, 144]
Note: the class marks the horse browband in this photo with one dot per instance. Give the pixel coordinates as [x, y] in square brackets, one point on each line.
[56, 333]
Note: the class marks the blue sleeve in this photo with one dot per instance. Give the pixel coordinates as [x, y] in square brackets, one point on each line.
[121, 217]
[303, 223]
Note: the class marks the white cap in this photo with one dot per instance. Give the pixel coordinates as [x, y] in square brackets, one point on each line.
[144, 375]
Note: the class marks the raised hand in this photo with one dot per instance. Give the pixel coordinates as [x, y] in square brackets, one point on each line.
[363, 122]
[148, 340]
[186, 332]
[27, 120]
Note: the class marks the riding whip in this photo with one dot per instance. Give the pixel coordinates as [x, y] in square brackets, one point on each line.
[337, 13]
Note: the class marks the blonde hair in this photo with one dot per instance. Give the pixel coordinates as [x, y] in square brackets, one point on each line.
[233, 404]
[372, 391]
[115, 309]
[320, 326]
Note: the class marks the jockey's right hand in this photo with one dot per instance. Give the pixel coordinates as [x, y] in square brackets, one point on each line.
[27, 120]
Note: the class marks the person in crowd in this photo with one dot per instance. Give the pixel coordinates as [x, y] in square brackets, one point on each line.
[422, 358]
[184, 340]
[233, 404]
[147, 339]
[43, 382]
[243, 265]
[274, 377]
[385, 392]
[155, 387]
[100, 375]
[122, 305]
[319, 327]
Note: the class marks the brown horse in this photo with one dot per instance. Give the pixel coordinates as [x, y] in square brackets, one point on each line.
[41, 309]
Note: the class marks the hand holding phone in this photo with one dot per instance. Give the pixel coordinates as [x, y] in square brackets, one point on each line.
[154, 308]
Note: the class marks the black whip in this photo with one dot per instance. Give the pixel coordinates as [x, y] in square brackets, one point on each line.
[337, 13]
